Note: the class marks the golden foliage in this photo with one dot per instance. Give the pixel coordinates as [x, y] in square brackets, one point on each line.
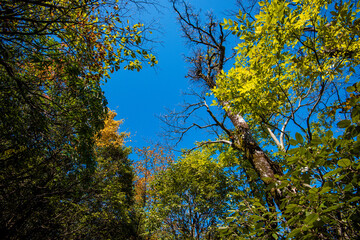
[109, 134]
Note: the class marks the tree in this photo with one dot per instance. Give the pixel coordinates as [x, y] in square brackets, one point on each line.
[190, 198]
[53, 57]
[292, 62]
[106, 209]
[150, 162]
[325, 175]
[207, 63]
[307, 57]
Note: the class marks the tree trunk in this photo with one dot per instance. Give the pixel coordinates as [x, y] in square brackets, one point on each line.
[243, 140]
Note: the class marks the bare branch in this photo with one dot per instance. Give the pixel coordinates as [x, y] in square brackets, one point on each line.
[218, 123]
[275, 139]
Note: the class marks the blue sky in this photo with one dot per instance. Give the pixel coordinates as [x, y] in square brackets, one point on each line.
[139, 97]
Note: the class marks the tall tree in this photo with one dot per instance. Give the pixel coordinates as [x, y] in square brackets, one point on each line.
[264, 61]
[291, 68]
[207, 63]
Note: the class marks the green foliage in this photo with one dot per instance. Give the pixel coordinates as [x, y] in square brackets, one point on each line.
[293, 58]
[321, 184]
[106, 209]
[54, 55]
[325, 174]
[190, 198]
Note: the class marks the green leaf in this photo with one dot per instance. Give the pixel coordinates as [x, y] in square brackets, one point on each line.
[354, 199]
[344, 162]
[344, 123]
[293, 159]
[291, 207]
[350, 89]
[299, 138]
[311, 218]
[332, 208]
[329, 134]
[293, 142]
[333, 172]
[294, 232]
[293, 150]
[275, 236]
[314, 190]
[325, 190]
[257, 218]
[316, 141]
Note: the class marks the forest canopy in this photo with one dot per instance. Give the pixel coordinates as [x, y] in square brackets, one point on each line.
[54, 57]
[274, 85]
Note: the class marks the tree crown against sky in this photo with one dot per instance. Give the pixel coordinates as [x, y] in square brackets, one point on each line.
[54, 56]
[66, 171]
[288, 86]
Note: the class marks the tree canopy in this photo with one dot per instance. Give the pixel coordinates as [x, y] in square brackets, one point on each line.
[282, 156]
[54, 55]
[286, 91]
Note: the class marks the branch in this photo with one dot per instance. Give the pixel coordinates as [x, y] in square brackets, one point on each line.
[275, 139]
[201, 144]
[321, 93]
[228, 132]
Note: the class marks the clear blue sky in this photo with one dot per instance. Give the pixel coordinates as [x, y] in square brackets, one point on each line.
[139, 97]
